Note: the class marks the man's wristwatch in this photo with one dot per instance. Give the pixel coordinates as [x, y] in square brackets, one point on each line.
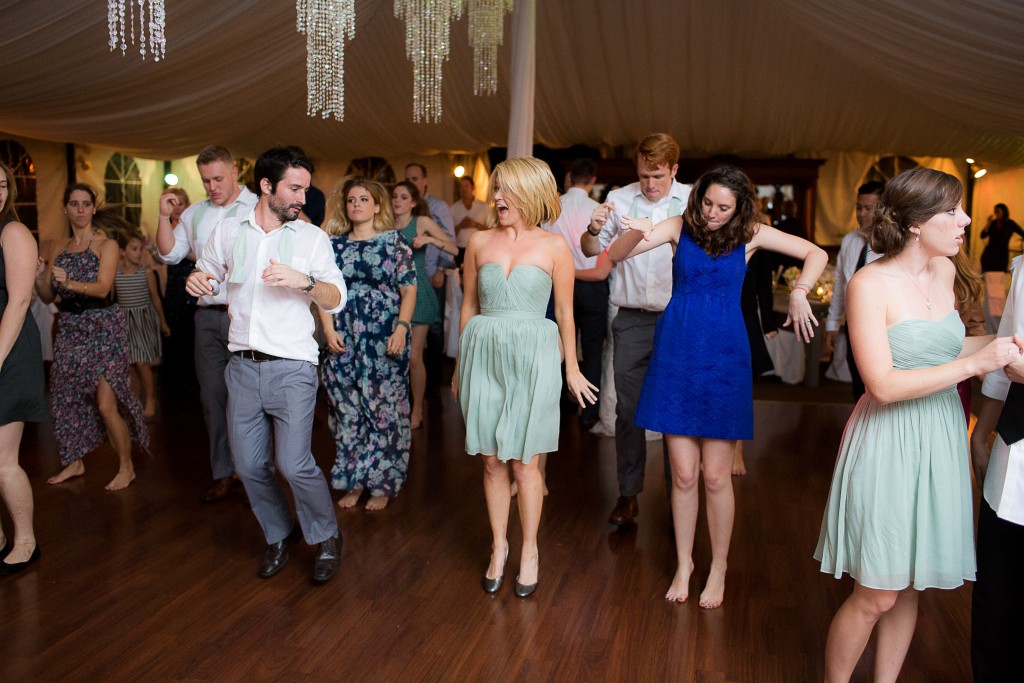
[312, 283]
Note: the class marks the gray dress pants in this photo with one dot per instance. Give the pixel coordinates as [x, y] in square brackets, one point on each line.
[211, 357]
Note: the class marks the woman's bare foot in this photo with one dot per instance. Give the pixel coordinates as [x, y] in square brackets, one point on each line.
[714, 590]
[124, 478]
[21, 552]
[416, 421]
[75, 469]
[739, 468]
[350, 499]
[377, 503]
[679, 591]
[150, 410]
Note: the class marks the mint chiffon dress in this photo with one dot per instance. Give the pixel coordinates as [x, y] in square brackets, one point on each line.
[900, 511]
[509, 366]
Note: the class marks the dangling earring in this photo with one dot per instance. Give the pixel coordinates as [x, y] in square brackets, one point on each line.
[917, 238]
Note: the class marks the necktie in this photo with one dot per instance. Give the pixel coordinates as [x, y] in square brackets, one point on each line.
[1011, 421]
[863, 258]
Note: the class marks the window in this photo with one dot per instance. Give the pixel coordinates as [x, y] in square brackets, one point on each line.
[123, 187]
[20, 163]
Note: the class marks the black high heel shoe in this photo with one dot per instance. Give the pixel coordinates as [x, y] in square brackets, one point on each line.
[14, 567]
[523, 591]
[493, 585]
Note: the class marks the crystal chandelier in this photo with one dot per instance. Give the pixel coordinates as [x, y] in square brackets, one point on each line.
[486, 25]
[427, 44]
[327, 24]
[150, 22]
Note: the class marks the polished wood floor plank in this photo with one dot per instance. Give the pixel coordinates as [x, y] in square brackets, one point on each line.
[148, 584]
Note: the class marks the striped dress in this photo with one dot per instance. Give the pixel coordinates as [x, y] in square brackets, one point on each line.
[144, 341]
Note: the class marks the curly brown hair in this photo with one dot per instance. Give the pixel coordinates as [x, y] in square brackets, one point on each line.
[740, 228]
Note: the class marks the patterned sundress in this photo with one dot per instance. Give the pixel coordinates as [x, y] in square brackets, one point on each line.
[368, 390]
[133, 296]
[89, 345]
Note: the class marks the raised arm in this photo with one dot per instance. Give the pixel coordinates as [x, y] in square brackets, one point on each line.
[641, 236]
[814, 260]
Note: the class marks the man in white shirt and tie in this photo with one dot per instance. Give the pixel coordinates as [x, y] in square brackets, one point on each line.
[997, 609]
[641, 288]
[272, 267]
[226, 199]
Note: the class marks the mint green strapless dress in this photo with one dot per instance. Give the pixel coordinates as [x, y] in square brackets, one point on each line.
[900, 512]
[509, 366]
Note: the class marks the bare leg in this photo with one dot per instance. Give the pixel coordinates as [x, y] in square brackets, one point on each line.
[377, 503]
[148, 390]
[16, 493]
[117, 432]
[717, 455]
[542, 465]
[851, 627]
[739, 468]
[418, 373]
[531, 500]
[74, 469]
[498, 494]
[895, 631]
[350, 499]
[684, 458]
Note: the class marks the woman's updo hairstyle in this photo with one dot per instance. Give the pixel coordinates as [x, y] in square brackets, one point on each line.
[910, 199]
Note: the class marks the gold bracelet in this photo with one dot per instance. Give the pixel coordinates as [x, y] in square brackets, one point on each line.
[85, 288]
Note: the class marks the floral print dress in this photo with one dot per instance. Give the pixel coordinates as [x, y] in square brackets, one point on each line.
[368, 390]
[90, 345]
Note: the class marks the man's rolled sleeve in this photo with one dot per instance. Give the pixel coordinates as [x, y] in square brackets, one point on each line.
[325, 269]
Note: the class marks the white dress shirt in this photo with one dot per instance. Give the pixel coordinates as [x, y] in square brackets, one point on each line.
[846, 266]
[194, 229]
[1004, 480]
[577, 206]
[274, 320]
[477, 211]
[644, 281]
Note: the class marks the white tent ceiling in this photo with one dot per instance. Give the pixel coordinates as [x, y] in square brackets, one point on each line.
[935, 77]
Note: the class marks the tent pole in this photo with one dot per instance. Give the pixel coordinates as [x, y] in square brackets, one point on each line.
[524, 76]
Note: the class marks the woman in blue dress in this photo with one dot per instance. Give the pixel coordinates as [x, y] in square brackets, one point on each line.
[366, 374]
[899, 517]
[698, 390]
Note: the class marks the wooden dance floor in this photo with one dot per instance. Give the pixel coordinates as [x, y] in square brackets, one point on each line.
[150, 585]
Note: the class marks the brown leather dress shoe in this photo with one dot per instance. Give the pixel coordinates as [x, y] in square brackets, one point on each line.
[220, 490]
[275, 557]
[625, 512]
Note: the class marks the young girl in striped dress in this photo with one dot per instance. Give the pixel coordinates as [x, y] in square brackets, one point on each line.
[139, 298]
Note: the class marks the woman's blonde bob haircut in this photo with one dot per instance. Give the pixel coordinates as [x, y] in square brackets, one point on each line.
[337, 223]
[527, 183]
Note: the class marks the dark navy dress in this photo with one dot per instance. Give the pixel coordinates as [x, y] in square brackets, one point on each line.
[699, 381]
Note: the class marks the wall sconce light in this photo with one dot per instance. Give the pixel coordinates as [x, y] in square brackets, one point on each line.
[980, 172]
[460, 171]
[170, 179]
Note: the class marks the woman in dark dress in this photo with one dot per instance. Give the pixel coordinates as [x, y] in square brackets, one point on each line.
[90, 395]
[698, 390]
[21, 376]
[995, 258]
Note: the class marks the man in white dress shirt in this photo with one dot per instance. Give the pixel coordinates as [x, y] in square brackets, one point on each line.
[641, 289]
[590, 291]
[272, 266]
[469, 215]
[225, 199]
[854, 254]
[997, 610]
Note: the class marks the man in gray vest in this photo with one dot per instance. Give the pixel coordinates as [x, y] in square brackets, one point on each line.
[225, 199]
[641, 288]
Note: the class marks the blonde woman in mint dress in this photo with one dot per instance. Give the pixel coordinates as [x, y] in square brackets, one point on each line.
[507, 376]
[899, 515]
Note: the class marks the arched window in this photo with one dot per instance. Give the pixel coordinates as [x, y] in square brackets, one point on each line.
[20, 163]
[122, 186]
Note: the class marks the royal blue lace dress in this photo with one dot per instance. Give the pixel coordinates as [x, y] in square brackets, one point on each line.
[699, 381]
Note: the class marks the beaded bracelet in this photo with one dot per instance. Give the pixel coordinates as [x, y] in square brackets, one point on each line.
[806, 287]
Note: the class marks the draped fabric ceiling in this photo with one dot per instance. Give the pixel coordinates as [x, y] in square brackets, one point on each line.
[928, 78]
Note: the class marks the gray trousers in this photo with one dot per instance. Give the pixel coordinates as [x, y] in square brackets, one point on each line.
[275, 399]
[211, 357]
[633, 335]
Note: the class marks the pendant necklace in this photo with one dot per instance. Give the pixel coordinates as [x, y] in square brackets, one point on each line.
[927, 300]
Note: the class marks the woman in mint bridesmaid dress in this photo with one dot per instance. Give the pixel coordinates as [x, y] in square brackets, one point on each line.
[507, 377]
[899, 515]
